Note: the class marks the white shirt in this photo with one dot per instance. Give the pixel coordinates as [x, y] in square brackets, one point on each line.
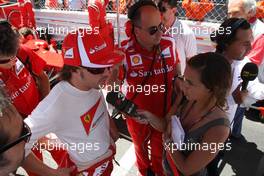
[60, 113]
[185, 40]
[257, 28]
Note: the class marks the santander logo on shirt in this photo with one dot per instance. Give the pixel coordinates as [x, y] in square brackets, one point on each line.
[22, 89]
[143, 73]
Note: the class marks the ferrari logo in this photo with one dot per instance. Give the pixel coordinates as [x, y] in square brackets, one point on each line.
[136, 60]
[87, 118]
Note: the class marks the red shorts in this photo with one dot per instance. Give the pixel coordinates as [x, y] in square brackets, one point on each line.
[62, 158]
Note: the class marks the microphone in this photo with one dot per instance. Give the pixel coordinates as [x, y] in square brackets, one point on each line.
[248, 73]
[119, 101]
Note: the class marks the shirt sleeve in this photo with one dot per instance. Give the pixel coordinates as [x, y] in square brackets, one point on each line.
[190, 44]
[94, 15]
[256, 54]
[41, 122]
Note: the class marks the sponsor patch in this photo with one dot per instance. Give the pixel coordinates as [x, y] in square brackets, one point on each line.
[133, 74]
[19, 67]
[136, 60]
[69, 54]
[166, 52]
[88, 117]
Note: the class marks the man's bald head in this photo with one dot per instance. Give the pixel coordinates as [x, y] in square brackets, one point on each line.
[135, 11]
[149, 16]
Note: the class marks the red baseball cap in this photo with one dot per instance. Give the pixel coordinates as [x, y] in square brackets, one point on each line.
[89, 50]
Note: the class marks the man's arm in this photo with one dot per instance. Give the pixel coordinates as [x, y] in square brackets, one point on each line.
[33, 164]
[113, 130]
[43, 84]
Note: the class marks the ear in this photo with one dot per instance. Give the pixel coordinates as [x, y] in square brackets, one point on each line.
[250, 14]
[136, 31]
[174, 10]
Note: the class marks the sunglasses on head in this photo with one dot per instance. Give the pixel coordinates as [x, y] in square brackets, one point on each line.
[154, 29]
[96, 71]
[24, 136]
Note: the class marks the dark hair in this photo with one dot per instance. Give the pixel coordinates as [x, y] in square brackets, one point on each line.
[9, 39]
[215, 74]
[171, 3]
[134, 12]
[226, 34]
[66, 72]
[25, 31]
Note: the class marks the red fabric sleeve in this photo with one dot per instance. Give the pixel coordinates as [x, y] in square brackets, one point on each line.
[94, 15]
[256, 54]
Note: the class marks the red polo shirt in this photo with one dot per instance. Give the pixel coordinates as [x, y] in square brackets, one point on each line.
[19, 83]
[150, 96]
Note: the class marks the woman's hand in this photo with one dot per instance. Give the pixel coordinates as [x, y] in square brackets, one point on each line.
[143, 116]
[158, 123]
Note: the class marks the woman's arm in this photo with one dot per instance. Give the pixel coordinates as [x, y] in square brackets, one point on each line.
[156, 122]
[205, 152]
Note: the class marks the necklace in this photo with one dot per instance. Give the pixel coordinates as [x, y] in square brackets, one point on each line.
[198, 119]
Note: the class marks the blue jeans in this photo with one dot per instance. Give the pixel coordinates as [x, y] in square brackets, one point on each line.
[237, 126]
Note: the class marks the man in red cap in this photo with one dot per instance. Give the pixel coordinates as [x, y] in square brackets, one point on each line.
[75, 110]
[150, 67]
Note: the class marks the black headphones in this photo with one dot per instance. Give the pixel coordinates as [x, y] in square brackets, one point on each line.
[224, 35]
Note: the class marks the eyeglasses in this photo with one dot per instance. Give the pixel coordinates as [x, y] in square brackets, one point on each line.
[24, 136]
[96, 71]
[154, 29]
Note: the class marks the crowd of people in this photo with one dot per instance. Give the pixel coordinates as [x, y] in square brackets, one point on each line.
[196, 102]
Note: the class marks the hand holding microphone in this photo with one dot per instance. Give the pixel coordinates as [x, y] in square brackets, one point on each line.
[248, 73]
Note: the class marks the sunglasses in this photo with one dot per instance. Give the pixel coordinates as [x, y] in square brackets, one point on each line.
[96, 71]
[24, 136]
[154, 29]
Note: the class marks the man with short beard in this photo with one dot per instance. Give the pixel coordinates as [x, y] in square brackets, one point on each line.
[75, 109]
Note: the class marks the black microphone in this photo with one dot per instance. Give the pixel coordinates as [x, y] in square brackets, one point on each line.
[248, 73]
[119, 101]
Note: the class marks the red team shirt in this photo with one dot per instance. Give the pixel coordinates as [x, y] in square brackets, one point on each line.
[256, 55]
[138, 65]
[19, 83]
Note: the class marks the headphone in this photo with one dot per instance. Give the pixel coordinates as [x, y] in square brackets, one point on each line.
[224, 35]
